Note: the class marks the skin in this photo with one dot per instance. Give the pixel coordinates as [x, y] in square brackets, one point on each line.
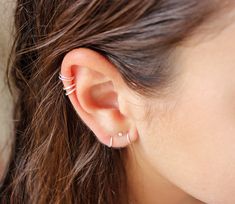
[183, 150]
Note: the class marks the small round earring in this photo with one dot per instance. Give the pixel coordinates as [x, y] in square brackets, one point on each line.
[120, 134]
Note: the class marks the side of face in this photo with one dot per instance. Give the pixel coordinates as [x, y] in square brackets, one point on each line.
[190, 136]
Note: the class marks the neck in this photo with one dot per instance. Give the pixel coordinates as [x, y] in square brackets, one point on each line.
[146, 185]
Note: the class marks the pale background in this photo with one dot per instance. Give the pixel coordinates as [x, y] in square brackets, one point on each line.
[6, 21]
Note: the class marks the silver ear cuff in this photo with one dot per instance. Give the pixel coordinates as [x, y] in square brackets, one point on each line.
[120, 134]
[69, 89]
[65, 78]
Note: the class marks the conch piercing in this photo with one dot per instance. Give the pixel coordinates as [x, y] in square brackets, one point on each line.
[69, 89]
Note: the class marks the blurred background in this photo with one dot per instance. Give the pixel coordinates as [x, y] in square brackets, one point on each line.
[6, 22]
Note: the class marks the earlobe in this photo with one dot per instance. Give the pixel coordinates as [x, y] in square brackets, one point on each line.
[92, 84]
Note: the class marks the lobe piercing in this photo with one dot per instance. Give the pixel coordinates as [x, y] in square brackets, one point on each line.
[128, 138]
[111, 141]
[120, 134]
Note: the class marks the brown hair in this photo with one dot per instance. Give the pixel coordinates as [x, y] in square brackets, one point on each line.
[55, 157]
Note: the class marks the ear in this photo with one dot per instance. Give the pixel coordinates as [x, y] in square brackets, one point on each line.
[97, 93]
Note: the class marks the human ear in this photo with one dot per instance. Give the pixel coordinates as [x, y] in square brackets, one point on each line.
[95, 91]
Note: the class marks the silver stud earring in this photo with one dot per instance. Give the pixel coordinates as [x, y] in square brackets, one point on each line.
[69, 89]
[120, 134]
[127, 136]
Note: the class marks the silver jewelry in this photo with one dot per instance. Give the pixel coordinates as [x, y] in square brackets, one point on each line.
[111, 141]
[120, 134]
[69, 92]
[69, 89]
[128, 138]
[65, 78]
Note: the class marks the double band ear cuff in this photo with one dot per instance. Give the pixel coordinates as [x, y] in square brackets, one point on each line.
[120, 134]
[65, 78]
[69, 92]
[69, 89]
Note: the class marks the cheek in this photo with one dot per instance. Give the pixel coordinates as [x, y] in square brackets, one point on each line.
[194, 145]
[204, 140]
